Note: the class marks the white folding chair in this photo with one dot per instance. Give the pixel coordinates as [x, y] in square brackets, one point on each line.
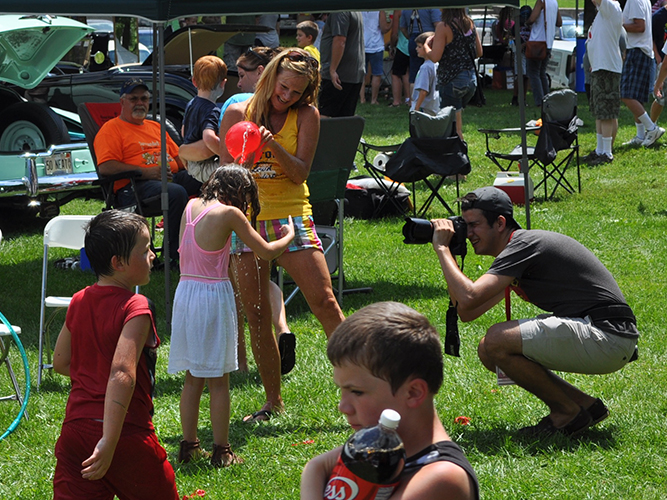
[65, 231]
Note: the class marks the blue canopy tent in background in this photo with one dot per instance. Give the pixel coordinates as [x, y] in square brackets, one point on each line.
[161, 11]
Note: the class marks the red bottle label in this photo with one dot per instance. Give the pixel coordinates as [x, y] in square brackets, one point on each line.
[344, 485]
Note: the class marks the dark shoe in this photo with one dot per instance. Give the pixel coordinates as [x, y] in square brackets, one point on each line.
[258, 416]
[601, 160]
[190, 450]
[598, 412]
[515, 101]
[590, 157]
[545, 427]
[223, 456]
[287, 348]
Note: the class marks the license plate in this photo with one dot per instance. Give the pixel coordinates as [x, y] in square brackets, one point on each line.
[58, 163]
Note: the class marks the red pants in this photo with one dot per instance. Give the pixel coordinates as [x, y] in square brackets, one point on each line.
[139, 470]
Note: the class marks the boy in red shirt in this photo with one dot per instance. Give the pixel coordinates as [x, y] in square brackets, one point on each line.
[107, 347]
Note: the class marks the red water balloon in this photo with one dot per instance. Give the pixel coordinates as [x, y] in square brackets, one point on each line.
[243, 139]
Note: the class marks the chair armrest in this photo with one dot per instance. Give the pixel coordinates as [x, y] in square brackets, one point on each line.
[108, 179]
[511, 130]
[366, 149]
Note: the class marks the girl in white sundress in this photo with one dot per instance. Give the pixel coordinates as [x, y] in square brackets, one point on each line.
[204, 330]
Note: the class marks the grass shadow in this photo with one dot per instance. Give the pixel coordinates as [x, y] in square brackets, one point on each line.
[500, 441]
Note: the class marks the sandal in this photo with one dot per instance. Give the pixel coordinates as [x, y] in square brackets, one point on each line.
[258, 416]
[287, 346]
[219, 452]
[191, 450]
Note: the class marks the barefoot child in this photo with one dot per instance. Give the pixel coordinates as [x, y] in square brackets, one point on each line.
[204, 329]
[107, 347]
[387, 355]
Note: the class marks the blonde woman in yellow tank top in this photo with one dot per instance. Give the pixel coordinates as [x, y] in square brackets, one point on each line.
[283, 107]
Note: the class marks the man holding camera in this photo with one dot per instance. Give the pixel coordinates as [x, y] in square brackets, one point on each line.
[590, 328]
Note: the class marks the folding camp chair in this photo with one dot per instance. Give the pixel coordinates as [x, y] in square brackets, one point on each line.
[93, 116]
[557, 134]
[333, 161]
[65, 231]
[433, 148]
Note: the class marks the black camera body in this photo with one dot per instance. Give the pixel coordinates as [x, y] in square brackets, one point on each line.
[420, 231]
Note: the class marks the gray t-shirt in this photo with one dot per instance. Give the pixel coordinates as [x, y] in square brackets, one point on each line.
[559, 275]
[351, 26]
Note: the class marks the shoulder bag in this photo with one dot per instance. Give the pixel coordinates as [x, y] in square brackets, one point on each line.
[537, 50]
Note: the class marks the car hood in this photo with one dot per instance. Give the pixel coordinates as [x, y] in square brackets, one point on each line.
[206, 39]
[31, 45]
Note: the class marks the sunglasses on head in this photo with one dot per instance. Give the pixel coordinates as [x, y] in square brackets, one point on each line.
[263, 61]
[295, 56]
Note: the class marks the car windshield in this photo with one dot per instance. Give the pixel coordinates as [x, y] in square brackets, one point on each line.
[570, 31]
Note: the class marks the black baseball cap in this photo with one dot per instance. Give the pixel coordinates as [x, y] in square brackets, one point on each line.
[132, 84]
[493, 199]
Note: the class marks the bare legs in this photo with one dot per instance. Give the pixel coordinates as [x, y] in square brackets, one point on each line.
[399, 87]
[502, 347]
[309, 270]
[219, 407]
[252, 278]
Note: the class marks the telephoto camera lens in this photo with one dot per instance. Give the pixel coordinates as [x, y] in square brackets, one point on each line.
[417, 231]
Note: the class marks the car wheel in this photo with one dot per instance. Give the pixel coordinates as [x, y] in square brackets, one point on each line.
[29, 126]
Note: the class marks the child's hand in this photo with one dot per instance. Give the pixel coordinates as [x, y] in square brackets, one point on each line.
[287, 230]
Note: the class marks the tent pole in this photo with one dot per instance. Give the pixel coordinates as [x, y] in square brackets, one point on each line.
[522, 114]
[165, 197]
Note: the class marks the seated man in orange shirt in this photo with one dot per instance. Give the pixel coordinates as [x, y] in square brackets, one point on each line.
[130, 142]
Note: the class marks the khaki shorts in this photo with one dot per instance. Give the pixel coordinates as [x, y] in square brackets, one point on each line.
[573, 345]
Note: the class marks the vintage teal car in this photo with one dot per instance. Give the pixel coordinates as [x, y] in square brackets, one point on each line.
[44, 159]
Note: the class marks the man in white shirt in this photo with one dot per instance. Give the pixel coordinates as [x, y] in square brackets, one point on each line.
[604, 54]
[639, 71]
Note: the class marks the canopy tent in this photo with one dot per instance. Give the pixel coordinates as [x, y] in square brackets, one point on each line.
[161, 11]
[166, 10]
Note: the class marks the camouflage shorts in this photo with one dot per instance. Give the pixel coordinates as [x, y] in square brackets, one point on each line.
[605, 101]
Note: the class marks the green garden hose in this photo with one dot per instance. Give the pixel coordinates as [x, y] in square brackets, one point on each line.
[17, 420]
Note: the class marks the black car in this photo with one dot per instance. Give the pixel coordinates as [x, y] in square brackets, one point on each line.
[66, 89]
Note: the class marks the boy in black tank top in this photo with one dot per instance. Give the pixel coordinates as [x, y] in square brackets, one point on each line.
[388, 355]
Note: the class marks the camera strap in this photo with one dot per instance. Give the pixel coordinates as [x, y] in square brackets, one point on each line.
[452, 337]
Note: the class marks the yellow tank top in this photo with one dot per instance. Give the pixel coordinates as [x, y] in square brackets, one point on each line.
[279, 196]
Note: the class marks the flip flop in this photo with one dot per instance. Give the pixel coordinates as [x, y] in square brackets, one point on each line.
[258, 416]
[287, 348]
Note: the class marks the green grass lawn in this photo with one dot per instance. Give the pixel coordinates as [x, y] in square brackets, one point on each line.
[620, 215]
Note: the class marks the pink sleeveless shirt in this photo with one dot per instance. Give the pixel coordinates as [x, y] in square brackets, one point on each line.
[196, 263]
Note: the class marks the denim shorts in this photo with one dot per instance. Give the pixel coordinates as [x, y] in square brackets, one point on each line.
[459, 91]
[375, 60]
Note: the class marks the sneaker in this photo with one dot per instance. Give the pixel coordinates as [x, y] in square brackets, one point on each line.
[652, 136]
[601, 160]
[589, 157]
[634, 142]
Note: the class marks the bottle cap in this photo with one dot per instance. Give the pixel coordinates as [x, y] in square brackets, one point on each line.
[390, 418]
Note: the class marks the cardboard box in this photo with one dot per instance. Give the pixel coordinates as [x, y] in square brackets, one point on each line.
[512, 184]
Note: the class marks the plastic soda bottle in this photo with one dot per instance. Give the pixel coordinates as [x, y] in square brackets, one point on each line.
[370, 463]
